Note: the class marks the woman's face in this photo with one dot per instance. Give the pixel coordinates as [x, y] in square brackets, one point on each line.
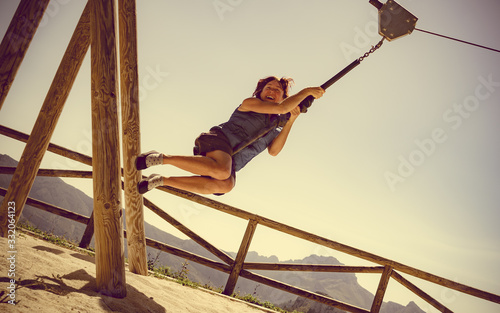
[272, 92]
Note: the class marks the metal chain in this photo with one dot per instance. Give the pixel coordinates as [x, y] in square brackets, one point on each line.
[373, 49]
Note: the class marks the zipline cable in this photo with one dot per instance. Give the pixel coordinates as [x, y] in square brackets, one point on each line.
[462, 41]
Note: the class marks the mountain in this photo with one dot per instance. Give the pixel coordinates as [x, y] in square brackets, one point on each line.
[340, 286]
[309, 306]
[55, 191]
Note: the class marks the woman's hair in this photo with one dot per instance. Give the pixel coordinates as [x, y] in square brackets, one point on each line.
[285, 82]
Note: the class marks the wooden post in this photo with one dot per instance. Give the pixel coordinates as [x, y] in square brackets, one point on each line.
[88, 233]
[110, 260]
[131, 140]
[16, 41]
[240, 258]
[379, 296]
[37, 144]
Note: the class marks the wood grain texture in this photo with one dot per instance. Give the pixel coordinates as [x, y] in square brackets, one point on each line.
[16, 41]
[131, 142]
[301, 292]
[195, 237]
[88, 233]
[382, 287]
[73, 155]
[50, 173]
[311, 268]
[187, 255]
[326, 242]
[419, 292]
[332, 244]
[37, 144]
[52, 209]
[108, 228]
[240, 258]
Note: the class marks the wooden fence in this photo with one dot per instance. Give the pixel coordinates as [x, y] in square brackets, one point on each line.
[237, 267]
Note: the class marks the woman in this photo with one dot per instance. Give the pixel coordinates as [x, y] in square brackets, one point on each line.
[223, 151]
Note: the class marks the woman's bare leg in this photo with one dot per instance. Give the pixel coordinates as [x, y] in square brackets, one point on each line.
[215, 171]
[200, 184]
[216, 164]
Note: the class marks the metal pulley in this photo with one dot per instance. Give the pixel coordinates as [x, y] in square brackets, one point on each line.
[394, 20]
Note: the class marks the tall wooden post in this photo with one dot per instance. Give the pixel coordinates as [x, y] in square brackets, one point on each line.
[131, 139]
[110, 260]
[16, 41]
[37, 144]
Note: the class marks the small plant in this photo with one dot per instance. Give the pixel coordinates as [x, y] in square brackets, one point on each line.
[57, 240]
[183, 273]
[182, 276]
[152, 262]
[162, 271]
[212, 288]
[30, 227]
[252, 298]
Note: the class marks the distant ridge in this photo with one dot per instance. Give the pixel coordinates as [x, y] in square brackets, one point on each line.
[340, 286]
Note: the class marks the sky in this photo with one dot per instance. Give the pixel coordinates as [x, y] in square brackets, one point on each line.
[399, 158]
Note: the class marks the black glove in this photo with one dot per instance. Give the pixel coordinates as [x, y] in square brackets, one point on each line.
[306, 103]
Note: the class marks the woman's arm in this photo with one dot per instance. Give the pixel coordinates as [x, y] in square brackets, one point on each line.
[279, 142]
[285, 106]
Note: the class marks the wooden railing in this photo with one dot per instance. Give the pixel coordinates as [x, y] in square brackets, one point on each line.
[237, 267]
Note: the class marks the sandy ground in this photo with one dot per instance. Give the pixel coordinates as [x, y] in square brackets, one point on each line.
[50, 278]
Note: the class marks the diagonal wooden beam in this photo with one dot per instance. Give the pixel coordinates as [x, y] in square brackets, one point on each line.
[301, 292]
[240, 258]
[28, 166]
[16, 41]
[382, 287]
[88, 233]
[52, 209]
[419, 292]
[331, 244]
[73, 155]
[187, 255]
[195, 237]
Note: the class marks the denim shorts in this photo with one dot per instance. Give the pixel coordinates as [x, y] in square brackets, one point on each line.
[212, 141]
